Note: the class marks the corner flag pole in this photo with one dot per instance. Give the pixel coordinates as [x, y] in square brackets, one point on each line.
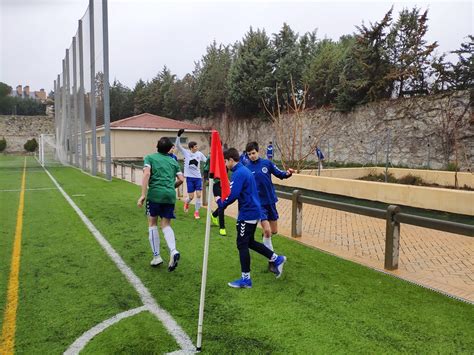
[204, 266]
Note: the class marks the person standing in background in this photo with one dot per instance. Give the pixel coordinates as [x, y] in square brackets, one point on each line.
[270, 151]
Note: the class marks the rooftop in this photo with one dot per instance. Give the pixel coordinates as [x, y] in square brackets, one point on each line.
[150, 121]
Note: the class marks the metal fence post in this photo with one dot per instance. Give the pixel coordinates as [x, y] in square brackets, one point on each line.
[296, 214]
[132, 173]
[122, 171]
[392, 238]
[93, 92]
[105, 31]
[81, 102]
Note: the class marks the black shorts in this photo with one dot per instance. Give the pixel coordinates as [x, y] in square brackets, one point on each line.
[216, 189]
[162, 210]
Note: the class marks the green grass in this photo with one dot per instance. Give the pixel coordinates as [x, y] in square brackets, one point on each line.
[142, 331]
[322, 304]
[67, 282]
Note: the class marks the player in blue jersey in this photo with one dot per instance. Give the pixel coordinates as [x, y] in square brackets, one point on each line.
[263, 170]
[244, 189]
[244, 159]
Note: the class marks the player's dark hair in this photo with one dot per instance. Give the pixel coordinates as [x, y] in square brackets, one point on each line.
[251, 146]
[164, 145]
[192, 144]
[271, 142]
[232, 153]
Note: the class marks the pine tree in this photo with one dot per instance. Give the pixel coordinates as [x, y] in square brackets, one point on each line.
[410, 55]
[250, 77]
[212, 79]
[289, 63]
[365, 68]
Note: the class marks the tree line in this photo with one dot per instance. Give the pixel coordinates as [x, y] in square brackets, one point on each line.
[10, 105]
[390, 58]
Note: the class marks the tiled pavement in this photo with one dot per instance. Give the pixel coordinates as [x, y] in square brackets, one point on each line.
[438, 260]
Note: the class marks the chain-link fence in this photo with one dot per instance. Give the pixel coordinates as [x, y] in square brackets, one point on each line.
[81, 93]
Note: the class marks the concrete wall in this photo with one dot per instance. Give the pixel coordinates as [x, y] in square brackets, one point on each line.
[442, 178]
[420, 131]
[447, 200]
[135, 144]
[439, 199]
[18, 129]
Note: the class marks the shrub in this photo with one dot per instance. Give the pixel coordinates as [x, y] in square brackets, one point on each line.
[3, 144]
[411, 180]
[452, 167]
[379, 178]
[31, 145]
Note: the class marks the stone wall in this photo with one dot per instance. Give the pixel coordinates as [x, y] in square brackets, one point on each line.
[420, 131]
[18, 129]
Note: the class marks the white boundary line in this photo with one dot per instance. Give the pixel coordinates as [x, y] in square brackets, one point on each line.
[168, 321]
[79, 344]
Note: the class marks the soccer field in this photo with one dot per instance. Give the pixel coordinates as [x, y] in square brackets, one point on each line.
[68, 284]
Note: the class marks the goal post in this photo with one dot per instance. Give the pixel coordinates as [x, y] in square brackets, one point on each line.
[49, 152]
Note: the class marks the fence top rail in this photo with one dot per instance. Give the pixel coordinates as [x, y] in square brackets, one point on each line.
[284, 195]
[367, 211]
[445, 226]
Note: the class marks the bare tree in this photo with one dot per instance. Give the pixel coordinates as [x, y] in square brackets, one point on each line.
[453, 116]
[295, 141]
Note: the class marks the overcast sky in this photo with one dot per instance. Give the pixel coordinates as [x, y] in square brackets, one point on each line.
[145, 35]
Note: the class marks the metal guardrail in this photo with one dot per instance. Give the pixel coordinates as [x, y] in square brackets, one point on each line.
[392, 215]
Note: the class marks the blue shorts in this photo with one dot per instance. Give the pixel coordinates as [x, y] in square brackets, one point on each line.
[163, 210]
[269, 212]
[193, 184]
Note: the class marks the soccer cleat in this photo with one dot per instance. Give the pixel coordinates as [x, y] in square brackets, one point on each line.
[157, 260]
[271, 267]
[222, 232]
[278, 264]
[173, 261]
[186, 207]
[214, 220]
[196, 215]
[241, 283]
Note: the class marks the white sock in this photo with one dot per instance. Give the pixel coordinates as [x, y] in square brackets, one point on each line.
[246, 275]
[197, 206]
[274, 257]
[188, 200]
[169, 237]
[154, 239]
[268, 242]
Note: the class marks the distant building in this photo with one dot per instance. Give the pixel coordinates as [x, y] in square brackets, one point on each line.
[25, 93]
[134, 137]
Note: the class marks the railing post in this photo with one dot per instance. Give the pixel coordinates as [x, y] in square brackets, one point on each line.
[122, 173]
[115, 169]
[392, 239]
[296, 214]
[132, 173]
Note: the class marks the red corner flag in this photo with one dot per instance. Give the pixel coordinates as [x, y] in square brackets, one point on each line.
[217, 168]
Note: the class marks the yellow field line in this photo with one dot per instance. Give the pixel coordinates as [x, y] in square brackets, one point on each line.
[7, 340]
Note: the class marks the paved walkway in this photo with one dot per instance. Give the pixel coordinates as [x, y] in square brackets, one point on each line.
[438, 260]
